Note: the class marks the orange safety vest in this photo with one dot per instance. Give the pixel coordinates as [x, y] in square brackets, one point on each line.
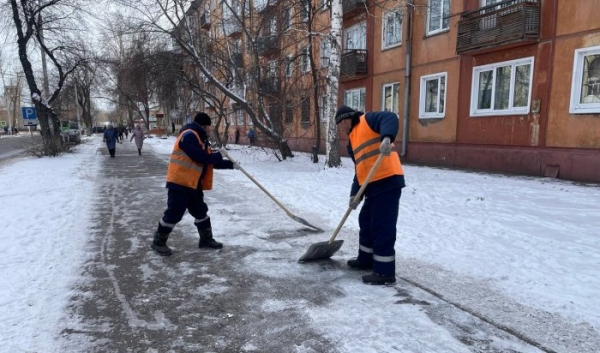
[184, 171]
[365, 145]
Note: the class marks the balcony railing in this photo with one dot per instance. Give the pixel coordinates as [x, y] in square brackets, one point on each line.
[351, 8]
[269, 85]
[267, 45]
[205, 21]
[503, 23]
[354, 63]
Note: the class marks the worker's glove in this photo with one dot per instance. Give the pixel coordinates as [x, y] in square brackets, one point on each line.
[236, 166]
[353, 205]
[386, 146]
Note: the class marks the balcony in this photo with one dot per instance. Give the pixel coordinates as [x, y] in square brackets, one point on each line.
[269, 85]
[205, 21]
[501, 25]
[267, 45]
[351, 8]
[354, 63]
[237, 59]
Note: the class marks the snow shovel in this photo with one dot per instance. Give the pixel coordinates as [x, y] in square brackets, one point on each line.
[290, 214]
[326, 249]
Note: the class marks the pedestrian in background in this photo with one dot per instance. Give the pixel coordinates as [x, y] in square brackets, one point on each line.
[189, 173]
[138, 135]
[110, 137]
[251, 136]
[237, 136]
[370, 135]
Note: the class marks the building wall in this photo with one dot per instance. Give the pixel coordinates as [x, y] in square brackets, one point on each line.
[577, 27]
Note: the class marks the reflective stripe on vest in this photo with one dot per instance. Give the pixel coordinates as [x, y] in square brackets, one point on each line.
[367, 144]
[184, 171]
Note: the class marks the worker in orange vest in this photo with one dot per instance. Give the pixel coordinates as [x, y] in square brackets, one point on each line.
[370, 135]
[189, 173]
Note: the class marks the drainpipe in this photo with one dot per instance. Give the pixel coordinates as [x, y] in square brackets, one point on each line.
[409, 13]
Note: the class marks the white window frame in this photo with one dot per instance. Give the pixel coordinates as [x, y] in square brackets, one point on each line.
[423, 95]
[395, 87]
[492, 67]
[576, 106]
[360, 94]
[397, 13]
[442, 17]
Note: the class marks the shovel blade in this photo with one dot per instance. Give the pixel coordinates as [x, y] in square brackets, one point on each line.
[303, 221]
[322, 250]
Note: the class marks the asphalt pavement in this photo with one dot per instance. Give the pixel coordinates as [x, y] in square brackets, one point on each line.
[196, 300]
[129, 299]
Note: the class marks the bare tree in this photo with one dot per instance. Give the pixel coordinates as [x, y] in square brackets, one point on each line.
[44, 23]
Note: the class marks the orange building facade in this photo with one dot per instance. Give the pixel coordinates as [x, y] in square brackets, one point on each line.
[507, 86]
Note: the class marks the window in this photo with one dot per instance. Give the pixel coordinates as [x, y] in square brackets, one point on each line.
[289, 111]
[240, 116]
[324, 108]
[391, 94]
[272, 26]
[305, 110]
[355, 37]
[287, 18]
[585, 89]
[237, 46]
[502, 88]
[392, 29]
[324, 4]
[289, 67]
[325, 52]
[304, 9]
[432, 100]
[438, 16]
[355, 98]
[272, 69]
[274, 112]
[304, 60]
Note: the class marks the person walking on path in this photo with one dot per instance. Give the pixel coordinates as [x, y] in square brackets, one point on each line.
[189, 173]
[370, 135]
[138, 135]
[110, 137]
[251, 136]
[237, 136]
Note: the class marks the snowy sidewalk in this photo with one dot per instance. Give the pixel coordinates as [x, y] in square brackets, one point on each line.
[253, 296]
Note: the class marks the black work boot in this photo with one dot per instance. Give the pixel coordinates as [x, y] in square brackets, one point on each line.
[159, 244]
[376, 279]
[357, 265]
[207, 240]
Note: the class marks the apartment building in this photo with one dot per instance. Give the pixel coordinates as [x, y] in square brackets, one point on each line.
[507, 86]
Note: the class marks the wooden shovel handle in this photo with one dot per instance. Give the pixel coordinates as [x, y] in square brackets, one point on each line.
[224, 152]
[357, 196]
